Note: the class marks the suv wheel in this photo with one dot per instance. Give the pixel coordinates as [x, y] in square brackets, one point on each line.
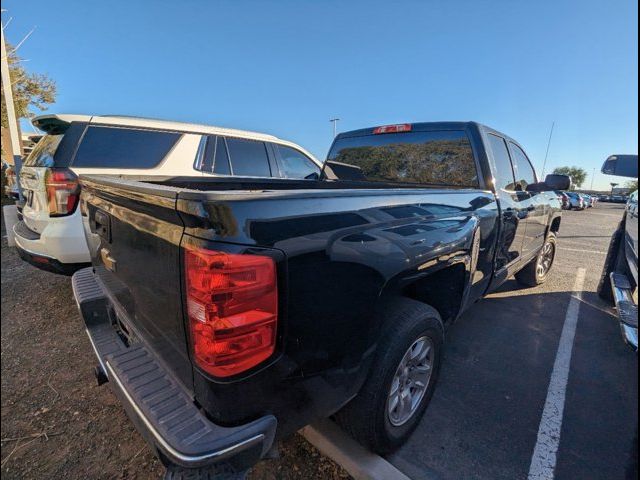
[402, 378]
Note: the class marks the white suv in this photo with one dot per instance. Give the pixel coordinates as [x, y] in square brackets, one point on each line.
[51, 236]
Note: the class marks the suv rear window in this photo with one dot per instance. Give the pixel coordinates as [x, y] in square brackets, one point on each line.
[43, 153]
[56, 150]
[107, 147]
[434, 157]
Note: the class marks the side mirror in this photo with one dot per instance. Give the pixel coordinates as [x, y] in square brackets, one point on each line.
[555, 181]
[621, 166]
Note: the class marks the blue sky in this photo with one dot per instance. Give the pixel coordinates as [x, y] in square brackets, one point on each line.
[287, 67]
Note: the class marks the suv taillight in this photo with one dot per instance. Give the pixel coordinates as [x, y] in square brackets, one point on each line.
[63, 191]
[232, 304]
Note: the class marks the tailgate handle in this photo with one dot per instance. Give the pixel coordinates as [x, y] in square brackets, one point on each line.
[103, 225]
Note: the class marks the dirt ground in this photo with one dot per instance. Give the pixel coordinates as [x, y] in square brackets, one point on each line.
[56, 422]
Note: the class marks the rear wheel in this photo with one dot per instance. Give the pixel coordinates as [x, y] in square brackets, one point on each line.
[537, 270]
[402, 379]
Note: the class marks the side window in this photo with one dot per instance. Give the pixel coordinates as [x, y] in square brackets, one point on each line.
[503, 175]
[109, 147]
[207, 154]
[295, 164]
[215, 158]
[221, 163]
[248, 157]
[523, 169]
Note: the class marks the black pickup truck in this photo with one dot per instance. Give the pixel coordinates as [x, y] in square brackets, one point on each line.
[227, 312]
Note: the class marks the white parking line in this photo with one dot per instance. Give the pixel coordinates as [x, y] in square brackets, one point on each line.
[543, 461]
[597, 252]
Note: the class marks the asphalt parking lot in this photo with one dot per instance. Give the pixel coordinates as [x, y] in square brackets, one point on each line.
[484, 421]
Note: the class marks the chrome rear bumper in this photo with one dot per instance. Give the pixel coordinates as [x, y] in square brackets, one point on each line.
[627, 308]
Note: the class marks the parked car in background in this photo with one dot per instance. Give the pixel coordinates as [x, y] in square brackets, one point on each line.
[251, 307]
[564, 200]
[588, 200]
[619, 198]
[50, 234]
[604, 198]
[576, 202]
[619, 282]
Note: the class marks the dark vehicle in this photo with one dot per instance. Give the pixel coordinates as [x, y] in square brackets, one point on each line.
[619, 198]
[619, 282]
[226, 312]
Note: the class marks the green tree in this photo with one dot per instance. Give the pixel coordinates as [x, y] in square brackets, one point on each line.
[30, 90]
[578, 175]
[632, 185]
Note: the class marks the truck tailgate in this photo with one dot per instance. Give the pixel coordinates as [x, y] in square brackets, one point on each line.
[129, 228]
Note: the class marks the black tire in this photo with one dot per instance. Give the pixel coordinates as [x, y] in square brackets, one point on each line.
[611, 264]
[530, 276]
[365, 418]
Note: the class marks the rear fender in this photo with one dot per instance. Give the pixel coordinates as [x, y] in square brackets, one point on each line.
[453, 263]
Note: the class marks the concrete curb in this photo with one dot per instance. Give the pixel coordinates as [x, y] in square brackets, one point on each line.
[10, 213]
[360, 463]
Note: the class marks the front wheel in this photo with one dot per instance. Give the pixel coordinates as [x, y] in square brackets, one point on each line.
[537, 270]
[401, 381]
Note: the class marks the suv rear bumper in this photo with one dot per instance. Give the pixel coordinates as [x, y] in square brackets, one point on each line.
[161, 409]
[62, 239]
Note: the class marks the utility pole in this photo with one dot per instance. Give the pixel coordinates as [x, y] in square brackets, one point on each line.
[593, 177]
[14, 135]
[544, 165]
[334, 121]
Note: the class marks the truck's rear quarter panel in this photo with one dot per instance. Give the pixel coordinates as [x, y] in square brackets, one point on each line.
[339, 253]
[344, 249]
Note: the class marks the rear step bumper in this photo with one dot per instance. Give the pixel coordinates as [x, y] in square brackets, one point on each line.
[163, 412]
[627, 308]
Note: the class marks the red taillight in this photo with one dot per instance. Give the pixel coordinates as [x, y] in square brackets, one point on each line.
[232, 304]
[402, 127]
[63, 191]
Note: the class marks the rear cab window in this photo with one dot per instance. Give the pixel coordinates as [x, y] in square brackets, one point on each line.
[432, 157]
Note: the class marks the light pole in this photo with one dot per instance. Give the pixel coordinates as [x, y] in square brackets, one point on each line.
[593, 177]
[546, 155]
[14, 136]
[334, 121]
